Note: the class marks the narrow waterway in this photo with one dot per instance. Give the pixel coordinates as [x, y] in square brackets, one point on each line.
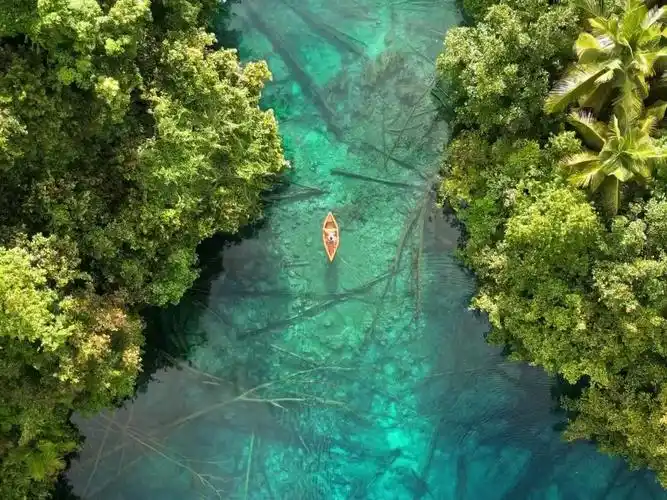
[367, 378]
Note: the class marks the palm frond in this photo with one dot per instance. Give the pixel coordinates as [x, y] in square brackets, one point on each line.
[621, 172]
[592, 131]
[647, 125]
[606, 42]
[644, 62]
[593, 8]
[586, 41]
[590, 48]
[583, 169]
[601, 25]
[653, 16]
[615, 129]
[660, 55]
[634, 15]
[628, 104]
[606, 77]
[580, 160]
[652, 116]
[597, 99]
[589, 176]
[645, 171]
[579, 81]
[641, 85]
[642, 171]
[648, 154]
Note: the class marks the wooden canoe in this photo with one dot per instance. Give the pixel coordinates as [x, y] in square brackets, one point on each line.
[330, 226]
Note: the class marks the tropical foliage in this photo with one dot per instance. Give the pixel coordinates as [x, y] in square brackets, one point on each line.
[496, 72]
[564, 207]
[615, 59]
[618, 152]
[125, 139]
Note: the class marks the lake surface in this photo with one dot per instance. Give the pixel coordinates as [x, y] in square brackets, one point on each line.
[366, 378]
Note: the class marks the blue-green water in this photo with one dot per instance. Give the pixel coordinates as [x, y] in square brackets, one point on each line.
[367, 378]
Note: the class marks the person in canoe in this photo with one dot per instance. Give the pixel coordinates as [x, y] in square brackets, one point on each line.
[330, 236]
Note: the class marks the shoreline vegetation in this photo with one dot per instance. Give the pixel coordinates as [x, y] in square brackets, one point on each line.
[557, 172]
[127, 137]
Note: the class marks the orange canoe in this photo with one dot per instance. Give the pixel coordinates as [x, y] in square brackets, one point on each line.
[330, 236]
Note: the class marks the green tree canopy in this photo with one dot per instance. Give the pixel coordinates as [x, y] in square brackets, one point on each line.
[62, 346]
[496, 73]
[131, 137]
[579, 291]
[614, 60]
[619, 152]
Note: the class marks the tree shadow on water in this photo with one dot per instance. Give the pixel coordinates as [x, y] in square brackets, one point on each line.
[173, 332]
[561, 391]
[331, 277]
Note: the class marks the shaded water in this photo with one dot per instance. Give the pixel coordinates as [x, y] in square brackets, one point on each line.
[362, 379]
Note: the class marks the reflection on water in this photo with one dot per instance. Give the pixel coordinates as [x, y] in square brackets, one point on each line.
[367, 378]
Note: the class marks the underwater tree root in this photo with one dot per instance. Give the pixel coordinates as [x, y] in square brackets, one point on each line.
[362, 12]
[220, 317]
[440, 94]
[304, 81]
[409, 118]
[98, 456]
[427, 111]
[384, 128]
[401, 130]
[244, 397]
[290, 353]
[316, 309]
[417, 264]
[407, 231]
[209, 378]
[411, 5]
[307, 312]
[342, 41]
[426, 136]
[303, 193]
[247, 472]
[372, 390]
[248, 396]
[419, 53]
[124, 429]
[337, 171]
[361, 491]
[390, 156]
[299, 196]
[145, 442]
[355, 293]
[426, 467]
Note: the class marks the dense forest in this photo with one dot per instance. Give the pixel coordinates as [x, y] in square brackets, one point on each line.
[558, 172]
[126, 138]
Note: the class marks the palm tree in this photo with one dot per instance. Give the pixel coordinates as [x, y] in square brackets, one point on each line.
[614, 60]
[617, 153]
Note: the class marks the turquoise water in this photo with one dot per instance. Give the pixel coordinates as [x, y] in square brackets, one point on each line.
[367, 378]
